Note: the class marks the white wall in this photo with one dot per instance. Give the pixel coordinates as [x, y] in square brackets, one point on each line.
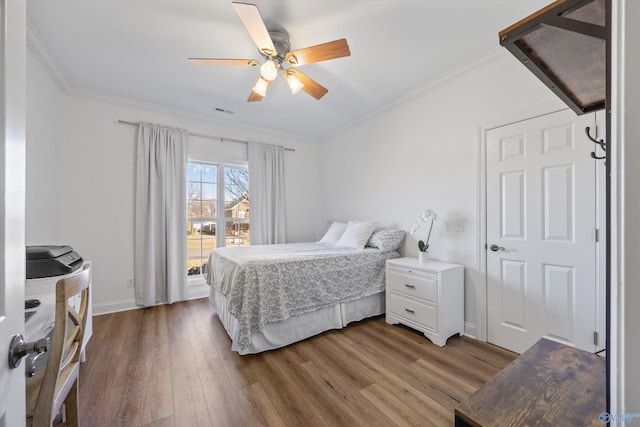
[80, 178]
[423, 153]
[45, 133]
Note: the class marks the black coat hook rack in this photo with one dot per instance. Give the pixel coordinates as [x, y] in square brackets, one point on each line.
[601, 143]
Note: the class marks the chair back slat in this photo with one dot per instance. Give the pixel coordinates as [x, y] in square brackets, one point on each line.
[68, 359]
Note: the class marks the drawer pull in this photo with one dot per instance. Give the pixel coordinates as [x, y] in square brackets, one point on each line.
[408, 310]
[409, 286]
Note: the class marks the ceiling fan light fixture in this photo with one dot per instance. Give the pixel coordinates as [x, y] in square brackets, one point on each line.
[261, 86]
[269, 70]
[294, 83]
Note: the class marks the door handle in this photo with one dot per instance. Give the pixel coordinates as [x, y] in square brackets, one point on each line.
[496, 248]
[19, 349]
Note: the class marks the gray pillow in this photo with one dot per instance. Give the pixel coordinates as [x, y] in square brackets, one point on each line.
[386, 240]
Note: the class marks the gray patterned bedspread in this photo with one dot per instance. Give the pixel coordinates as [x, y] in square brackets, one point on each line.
[270, 283]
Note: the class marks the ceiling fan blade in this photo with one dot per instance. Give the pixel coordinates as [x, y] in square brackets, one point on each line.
[250, 17]
[321, 52]
[221, 61]
[254, 97]
[312, 87]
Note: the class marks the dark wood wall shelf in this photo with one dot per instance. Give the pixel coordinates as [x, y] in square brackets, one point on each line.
[549, 384]
[564, 45]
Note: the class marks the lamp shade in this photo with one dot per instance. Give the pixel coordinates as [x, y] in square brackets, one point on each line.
[294, 83]
[268, 70]
[261, 86]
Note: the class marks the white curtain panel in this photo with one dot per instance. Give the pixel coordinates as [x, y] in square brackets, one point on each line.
[266, 192]
[160, 218]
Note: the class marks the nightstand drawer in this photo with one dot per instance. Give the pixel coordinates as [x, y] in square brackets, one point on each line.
[418, 285]
[423, 314]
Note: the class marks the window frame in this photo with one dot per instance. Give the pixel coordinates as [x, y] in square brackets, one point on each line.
[220, 220]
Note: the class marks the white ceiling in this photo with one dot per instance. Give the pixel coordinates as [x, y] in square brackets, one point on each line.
[138, 50]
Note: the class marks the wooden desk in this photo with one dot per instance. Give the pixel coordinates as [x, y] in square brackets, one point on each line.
[550, 384]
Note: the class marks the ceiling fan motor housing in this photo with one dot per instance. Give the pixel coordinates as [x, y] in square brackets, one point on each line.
[281, 42]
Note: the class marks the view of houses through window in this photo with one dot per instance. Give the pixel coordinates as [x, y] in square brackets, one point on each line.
[217, 199]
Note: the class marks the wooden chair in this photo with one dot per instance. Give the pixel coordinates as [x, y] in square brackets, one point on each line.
[57, 385]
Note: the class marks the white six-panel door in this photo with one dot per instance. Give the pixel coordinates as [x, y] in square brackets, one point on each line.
[12, 189]
[541, 216]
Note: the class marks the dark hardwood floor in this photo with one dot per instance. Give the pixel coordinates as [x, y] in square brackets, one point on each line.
[172, 365]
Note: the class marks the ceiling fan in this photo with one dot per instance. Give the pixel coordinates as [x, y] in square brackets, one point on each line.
[275, 47]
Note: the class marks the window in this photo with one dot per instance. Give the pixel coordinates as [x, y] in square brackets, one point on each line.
[217, 199]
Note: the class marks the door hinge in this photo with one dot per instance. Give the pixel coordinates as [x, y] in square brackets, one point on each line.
[595, 338]
[596, 235]
[595, 130]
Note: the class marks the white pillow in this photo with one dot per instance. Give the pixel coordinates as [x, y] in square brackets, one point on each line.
[357, 234]
[334, 233]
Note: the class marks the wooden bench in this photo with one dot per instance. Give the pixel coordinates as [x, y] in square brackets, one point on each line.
[549, 384]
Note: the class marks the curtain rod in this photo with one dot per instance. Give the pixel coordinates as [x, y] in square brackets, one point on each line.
[202, 135]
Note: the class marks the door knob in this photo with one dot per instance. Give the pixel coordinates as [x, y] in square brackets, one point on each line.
[496, 248]
[19, 349]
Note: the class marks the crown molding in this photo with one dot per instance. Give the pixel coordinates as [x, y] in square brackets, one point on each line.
[425, 87]
[41, 51]
[179, 112]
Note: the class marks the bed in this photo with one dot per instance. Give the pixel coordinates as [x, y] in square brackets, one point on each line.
[269, 296]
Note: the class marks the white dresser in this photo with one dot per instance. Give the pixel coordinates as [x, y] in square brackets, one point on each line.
[428, 297]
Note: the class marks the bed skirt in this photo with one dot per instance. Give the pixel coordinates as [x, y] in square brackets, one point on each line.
[280, 334]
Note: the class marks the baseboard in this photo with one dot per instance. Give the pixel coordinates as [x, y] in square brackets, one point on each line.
[193, 292]
[198, 291]
[470, 330]
[114, 306]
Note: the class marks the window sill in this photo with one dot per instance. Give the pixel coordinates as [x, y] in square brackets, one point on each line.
[196, 280]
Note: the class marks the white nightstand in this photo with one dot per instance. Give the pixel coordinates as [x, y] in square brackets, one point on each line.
[428, 297]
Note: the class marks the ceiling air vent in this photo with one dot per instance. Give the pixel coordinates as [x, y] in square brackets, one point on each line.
[222, 110]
